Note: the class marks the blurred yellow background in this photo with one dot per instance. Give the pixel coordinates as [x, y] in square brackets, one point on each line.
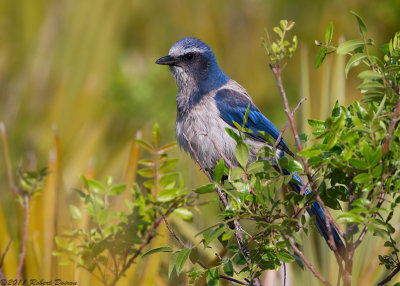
[85, 70]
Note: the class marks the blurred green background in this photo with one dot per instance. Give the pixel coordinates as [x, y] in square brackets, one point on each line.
[86, 69]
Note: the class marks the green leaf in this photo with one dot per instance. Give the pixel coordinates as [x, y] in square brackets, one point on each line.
[156, 250]
[95, 186]
[359, 164]
[183, 255]
[329, 33]
[295, 166]
[246, 116]
[211, 234]
[172, 264]
[208, 188]
[375, 157]
[349, 46]
[350, 218]
[146, 172]
[354, 61]
[195, 274]
[75, 212]
[168, 181]
[168, 165]
[228, 268]
[281, 245]
[320, 57]
[242, 154]
[361, 24]
[109, 181]
[167, 147]
[144, 145]
[368, 86]
[259, 167]
[117, 190]
[278, 31]
[184, 214]
[219, 171]
[284, 162]
[370, 75]
[310, 152]
[236, 173]
[233, 134]
[212, 277]
[377, 171]
[316, 123]
[156, 134]
[372, 96]
[168, 195]
[361, 178]
[285, 257]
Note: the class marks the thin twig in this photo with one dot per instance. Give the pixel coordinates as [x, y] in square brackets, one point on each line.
[284, 274]
[233, 280]
[173, 233]
[3, 256]
[221, 154]
[391, 275]
[2, 276]
[24, 238]
[306, 262]
[365, 229]
[287, 122]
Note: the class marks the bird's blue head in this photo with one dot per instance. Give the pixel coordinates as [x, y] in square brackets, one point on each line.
[194, 66]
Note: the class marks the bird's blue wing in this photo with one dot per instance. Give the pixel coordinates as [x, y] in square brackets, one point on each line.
[232, 106]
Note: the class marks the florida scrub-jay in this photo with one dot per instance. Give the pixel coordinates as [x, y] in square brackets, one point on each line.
[208, 101]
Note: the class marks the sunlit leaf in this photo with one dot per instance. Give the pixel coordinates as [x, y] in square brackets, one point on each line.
[228, 268]
[211, 234]
[219, 171]
[320, 57]
[95, 186]
[183, 255]
[242, 154]
[354, 61]
[212, 277]
[259, 167]
[184, 214]
[75, 212]
[285, 257]
[208, 188]
[117, 190]
[157, 250]
[349, 46]
[329, 33]
[168, 195]
[361, 24]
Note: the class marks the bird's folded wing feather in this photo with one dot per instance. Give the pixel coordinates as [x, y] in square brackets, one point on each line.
[232, 106]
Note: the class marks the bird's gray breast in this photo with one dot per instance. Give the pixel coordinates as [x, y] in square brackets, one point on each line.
[200, 130]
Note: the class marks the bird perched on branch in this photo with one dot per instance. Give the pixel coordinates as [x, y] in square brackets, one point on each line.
[208, 101]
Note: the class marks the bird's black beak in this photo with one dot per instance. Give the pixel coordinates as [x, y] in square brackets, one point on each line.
[167, 60]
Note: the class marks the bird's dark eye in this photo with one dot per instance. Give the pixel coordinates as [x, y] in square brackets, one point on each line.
[189, 56]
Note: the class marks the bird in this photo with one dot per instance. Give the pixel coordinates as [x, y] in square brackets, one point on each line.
[208, 102]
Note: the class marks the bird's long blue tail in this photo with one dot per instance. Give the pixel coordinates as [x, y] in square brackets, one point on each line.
[316, 210]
